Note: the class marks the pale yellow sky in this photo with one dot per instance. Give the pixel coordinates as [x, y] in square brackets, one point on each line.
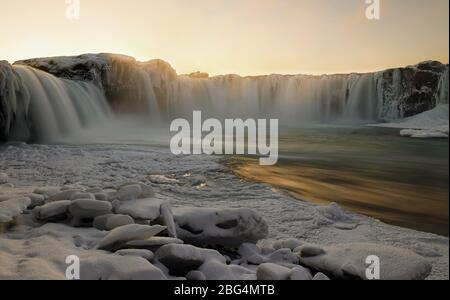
[246, 37]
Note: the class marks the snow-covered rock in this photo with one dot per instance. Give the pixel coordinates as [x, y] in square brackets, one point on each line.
[110, 221]
[12, 208]
[116, 267]
[180, 259]
[215, 270]
[146, 254]
[53, 212]
[89, 209]
[269, 271]
[153, 243]
[119, 236]
[349, 261]
[223, 227]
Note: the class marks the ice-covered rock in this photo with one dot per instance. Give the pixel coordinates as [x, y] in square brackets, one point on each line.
[252, 254]
[214, 270]
[269, 271]
[110, 221]
[63, 195]
[89, 209]
[53, 212]
[180, 259]
[3, 178]
[153, 243]
[142, 209]
[134, 190]
[349, 261]
[12, 208]
[320, 276]
[219, 227]
[195, 276]
[146, 254]
[300, 273]
[116, 267]
[119, 236]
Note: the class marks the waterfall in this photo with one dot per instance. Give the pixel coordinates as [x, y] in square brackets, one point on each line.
[57, 108]
[292, 99]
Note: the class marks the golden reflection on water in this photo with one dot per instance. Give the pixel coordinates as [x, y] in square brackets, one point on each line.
[360, 190]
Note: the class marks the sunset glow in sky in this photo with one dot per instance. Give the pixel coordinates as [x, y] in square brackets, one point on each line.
[246, 37]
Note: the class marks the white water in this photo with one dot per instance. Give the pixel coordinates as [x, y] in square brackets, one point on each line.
[292, 99]
[57, 107]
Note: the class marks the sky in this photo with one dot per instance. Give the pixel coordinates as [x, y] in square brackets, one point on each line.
[246, 37]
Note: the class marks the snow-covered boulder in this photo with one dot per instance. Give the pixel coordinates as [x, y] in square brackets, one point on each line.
[116, 267]
[153, 243]
[214, 270]
[180, 259]
[110, 221]
[53, 212]
[219, 227]
[252, 254]
[12, 208]
[89, 209]
[119, 236]
[146, 254]
[271, 271]
[348, 261]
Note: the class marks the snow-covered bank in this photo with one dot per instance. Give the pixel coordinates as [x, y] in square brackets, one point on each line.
[195, 181]
[430, 124]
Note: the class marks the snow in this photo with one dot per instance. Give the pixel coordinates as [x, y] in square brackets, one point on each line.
[40, 249]
[349, 261]
[430, 124]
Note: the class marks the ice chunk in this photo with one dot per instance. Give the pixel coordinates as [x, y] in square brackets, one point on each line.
[109, 222]
[89, 209]
[53, 212]
[142, 209]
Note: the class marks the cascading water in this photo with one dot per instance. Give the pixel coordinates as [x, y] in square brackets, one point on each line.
[57, 107]
[292, 99]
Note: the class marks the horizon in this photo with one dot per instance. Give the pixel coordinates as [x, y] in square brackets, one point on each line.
[235, 37]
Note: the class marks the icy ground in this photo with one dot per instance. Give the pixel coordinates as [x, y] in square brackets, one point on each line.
[204, 181]
[430, 124]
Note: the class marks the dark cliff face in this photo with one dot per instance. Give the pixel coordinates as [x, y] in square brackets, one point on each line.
[414, 89]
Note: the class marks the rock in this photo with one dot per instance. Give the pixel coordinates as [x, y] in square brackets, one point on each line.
[214, 270]
[36, 200]
[89, 209]
[46, 191]
[63, 195]
[320, 276]
[287, 243]
[146, 254]
[84, 196]
[180, 259]
[53, 212]
[119, 236]
[252, 254]
[348, 261]
[309, 250]
[153, 243]
[168, 220]
[143, 209]
[195, 276]
[129, 192]
[271, 271]
[116, 267]
[101, 196]
[134, 190]
[3, 178]
[300, 273]
[12, 208]
[219, 227]
[109, 222]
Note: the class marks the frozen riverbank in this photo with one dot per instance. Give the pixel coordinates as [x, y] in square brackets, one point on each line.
[201, 182]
